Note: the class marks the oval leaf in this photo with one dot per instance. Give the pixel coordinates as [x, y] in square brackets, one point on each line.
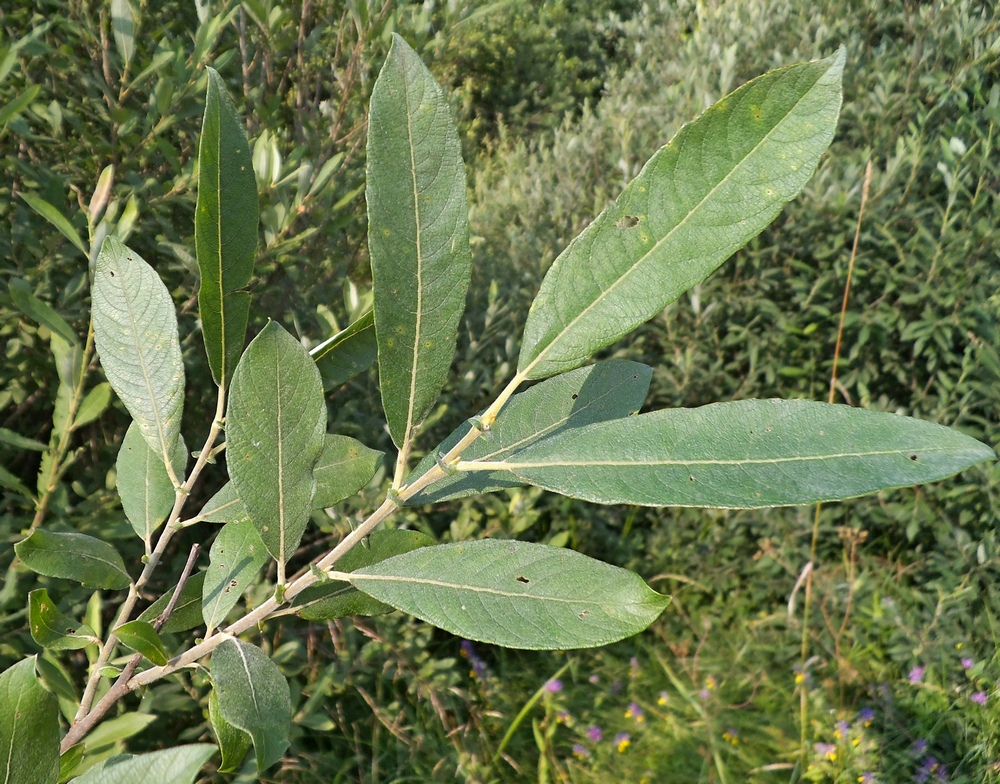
[274, 436]
[187, 612]
[607, 390]
[179, 765]
[515, 594]
[145, 488]
[29, 728]
[351, 351]
[234, 743]
[123, 23]
[224, 507]
[79, 557]
[136, 332]
[93, 405]
[344, 467]
[418, 236]
[253, 697]
[142, 638]
[225, 229]
[235, 561]
[51, 629]
[718, 183]
[745, 455]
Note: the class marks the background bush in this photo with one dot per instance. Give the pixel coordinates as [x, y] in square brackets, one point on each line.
[559, 107]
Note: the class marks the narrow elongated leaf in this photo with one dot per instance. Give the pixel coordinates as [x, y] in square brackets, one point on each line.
[225, 229]
[235, 561]
[79, 557]
[93, 405]
[607, 390]
[234, 743]
[142, 638]
[13, 108]
[51, 629]
[179, 765]
[275, 423]
[515, 594]
[418, 236]
[717, 184]
[745, 455]
[136, 332]
[187, 612]
[344, 467]
[69, 368]
[29, 728]
[144, 486]
[56, 218]
[124, 20]
[11, 482]
[348, 353]
[337, 599]
[40, 312]
[253, 697]
[224, 507]
[18, 441]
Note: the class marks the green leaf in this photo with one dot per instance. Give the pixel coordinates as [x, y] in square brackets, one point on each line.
[142, 638]
[224, 507]
[11, 482]
[275, 426]
[51, 629]
[607, 390]
[234, 743]
[29, 728]
[79, 557]
[187, 612]
[145, 488]
[253, 697]
[235, 561]
[70, 760]
[745, 455]
[109, 734]
[335, 599]
[56, 218]
[351, 351]
[418, 236]
[40, 312]
[93, 405]
[18, 441]
[344, 467]
[179, 765]
[136, 332]
[69, 368]
[124, 20]
[717, 184]
[13, 108]
[515, 594]
[225, 229]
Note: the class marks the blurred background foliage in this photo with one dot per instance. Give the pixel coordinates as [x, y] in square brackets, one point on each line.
[559, 104]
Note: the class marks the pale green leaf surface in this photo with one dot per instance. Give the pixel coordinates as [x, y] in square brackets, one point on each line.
[71, 556]
[18, 441]
[56, 218]
[69, 368]
[145, 488]
[108, 735]
[336, 599]
[93, 404]
[187, 612]
[224, 507]
[344, 467]
[179, 765]
[135, 328]
[275, 432]
[124, 20]
[718, 183]
[348, 353]
[745, 455]
[226, 220]
[29, 728]
[142, 638]
[234, 743]
[39, 311]
[607, 390]
[235, 560]
[515, 594]
[13, 108]
[52, 629]
[418, 236]
[253, 697]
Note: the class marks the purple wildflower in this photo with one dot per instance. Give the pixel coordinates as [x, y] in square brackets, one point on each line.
[967, 664]
[595, 733]
[916, 674]
[595, 679]
[580, 751]
[826, 750]
[554, 686]
[843, 728]
[635, 712]
[867, 778]
[623, 740]
[979, 698]
[866, 716]
[919, 746]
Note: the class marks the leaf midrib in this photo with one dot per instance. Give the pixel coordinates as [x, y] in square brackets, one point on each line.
[418, 324]
[353, 576]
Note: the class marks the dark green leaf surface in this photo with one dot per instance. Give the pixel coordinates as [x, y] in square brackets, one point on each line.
[344, 467]
[515, 594]
[348, 353]
[234, 743]
[187, 612]
[51, 629]
[136, 332]
[418, 236]
[225, 229]
[79, 557]
[253, 697]
[337, 599]
[56, 218]
[18, 441]
[745, 455]
[179, 765]
[40, 312]
[607, 390]
[146, 492]
[275, 428]
[717, 184]
[29, 728]
[236, 559]
[13, 108]
[224, 507]
[142, 638]
[93, 405]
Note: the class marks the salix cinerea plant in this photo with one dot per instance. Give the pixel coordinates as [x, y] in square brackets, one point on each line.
[561, 423]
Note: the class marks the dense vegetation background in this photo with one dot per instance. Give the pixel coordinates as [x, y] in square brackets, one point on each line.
[891, 677]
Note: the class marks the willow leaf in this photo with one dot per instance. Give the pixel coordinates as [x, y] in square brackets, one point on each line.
[344, 467]
[144, 486]
[348, 353]
[236, 558]
[52, 629]
[29, 728]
